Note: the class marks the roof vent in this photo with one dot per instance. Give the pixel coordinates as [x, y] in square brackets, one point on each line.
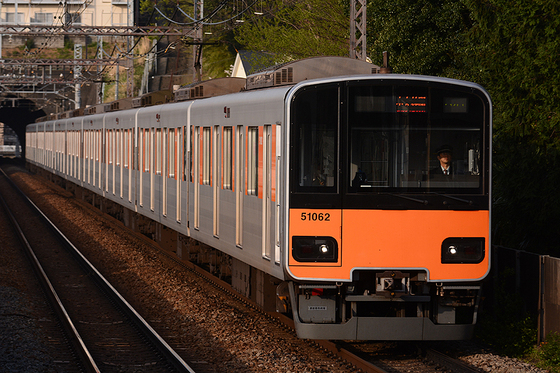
[309, 68]
[209, 88]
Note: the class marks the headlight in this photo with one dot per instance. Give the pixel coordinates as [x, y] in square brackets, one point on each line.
[314, 249]
[462, 250]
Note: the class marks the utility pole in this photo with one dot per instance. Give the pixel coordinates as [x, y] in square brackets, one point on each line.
[100, 86]
[130, 53]
[77, 76]
[197, 45]
[358, 29]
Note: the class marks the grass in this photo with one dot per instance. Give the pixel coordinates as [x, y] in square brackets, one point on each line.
[547, 354]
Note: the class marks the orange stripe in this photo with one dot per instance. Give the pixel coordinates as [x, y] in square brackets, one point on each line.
[393, 240]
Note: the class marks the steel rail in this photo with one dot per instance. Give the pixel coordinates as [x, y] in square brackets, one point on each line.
[172, 357]
[74, 337]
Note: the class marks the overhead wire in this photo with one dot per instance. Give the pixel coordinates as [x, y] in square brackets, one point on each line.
[62, 14]
[201, 21]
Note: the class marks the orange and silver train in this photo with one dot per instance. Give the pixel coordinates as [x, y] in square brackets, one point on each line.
[322, 182]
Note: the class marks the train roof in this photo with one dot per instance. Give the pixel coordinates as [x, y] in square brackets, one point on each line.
[284, 74]
[307, 69]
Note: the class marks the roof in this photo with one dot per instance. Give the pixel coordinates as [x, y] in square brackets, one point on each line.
[249, 62]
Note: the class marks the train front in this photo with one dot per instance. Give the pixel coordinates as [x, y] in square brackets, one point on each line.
[388, 209]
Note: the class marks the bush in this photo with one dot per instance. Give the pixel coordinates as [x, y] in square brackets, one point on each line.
[30, 44]
[550, 350]
[513, 338]
[506, 327]
[68, 43]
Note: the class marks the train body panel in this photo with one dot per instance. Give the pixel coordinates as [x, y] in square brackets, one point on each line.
[331, 187]
[73, 149]
[150, 147]
[118, 166]
[237, 211]
[387, 240]
[92, 134]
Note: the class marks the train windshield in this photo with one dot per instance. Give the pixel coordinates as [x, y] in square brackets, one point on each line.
[371, 141]
[413, 138]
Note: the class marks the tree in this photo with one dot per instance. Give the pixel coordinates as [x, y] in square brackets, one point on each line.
[519, 62]
[295, 29]
[422, 37]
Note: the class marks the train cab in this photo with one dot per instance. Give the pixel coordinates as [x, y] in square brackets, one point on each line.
[388, 210]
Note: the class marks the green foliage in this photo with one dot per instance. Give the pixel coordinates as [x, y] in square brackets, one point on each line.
[68, 43]
[294, 29]
[518, 62]
[30, 44]
[504, 327]
[550, 350]
[422, 37]
[219, 57]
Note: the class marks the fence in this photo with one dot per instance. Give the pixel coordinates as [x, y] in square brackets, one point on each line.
[535, 278]
[549, 320]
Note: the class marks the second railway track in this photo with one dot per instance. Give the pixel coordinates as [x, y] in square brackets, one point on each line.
[106, 332]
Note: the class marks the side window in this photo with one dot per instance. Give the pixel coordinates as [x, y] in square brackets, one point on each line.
[206, 155]
[228, 157]
[252, 161]
[158, 151]
[171, 161]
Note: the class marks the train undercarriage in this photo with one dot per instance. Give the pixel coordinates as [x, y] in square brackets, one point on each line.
[389, 305]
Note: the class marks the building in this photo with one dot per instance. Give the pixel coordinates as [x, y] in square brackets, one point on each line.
[249, 62]
[55, 12]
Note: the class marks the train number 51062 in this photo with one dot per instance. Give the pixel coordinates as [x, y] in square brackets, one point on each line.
[316, 216]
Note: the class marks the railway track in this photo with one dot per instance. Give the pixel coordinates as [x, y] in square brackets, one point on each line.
[106, 334]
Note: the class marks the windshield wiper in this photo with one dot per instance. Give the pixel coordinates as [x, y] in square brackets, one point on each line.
[467, 201]
[422, 201]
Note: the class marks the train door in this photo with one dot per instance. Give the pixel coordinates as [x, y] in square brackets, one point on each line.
[267, 192]
[120, 166]
[100, 155]
[216, 160]
[196, 175]
[177, 141]
[127, 166]
[164, 168]
[153, 162]
[188, 161]
[276, 170]
[85, 147]
[95, 156]
[239, 185]
[112, 160]
[315, 202]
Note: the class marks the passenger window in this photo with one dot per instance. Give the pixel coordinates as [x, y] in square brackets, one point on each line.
[228, 157]
[252, 160]
[206, 155]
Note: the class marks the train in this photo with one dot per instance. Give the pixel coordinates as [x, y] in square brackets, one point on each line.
[10, 151]
[317, 187]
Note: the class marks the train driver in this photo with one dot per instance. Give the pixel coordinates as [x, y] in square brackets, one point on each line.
[444, 156]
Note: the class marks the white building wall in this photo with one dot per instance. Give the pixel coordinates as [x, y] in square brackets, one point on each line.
[50, 12]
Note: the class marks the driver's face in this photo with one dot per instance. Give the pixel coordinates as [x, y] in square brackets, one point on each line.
[444, 157]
